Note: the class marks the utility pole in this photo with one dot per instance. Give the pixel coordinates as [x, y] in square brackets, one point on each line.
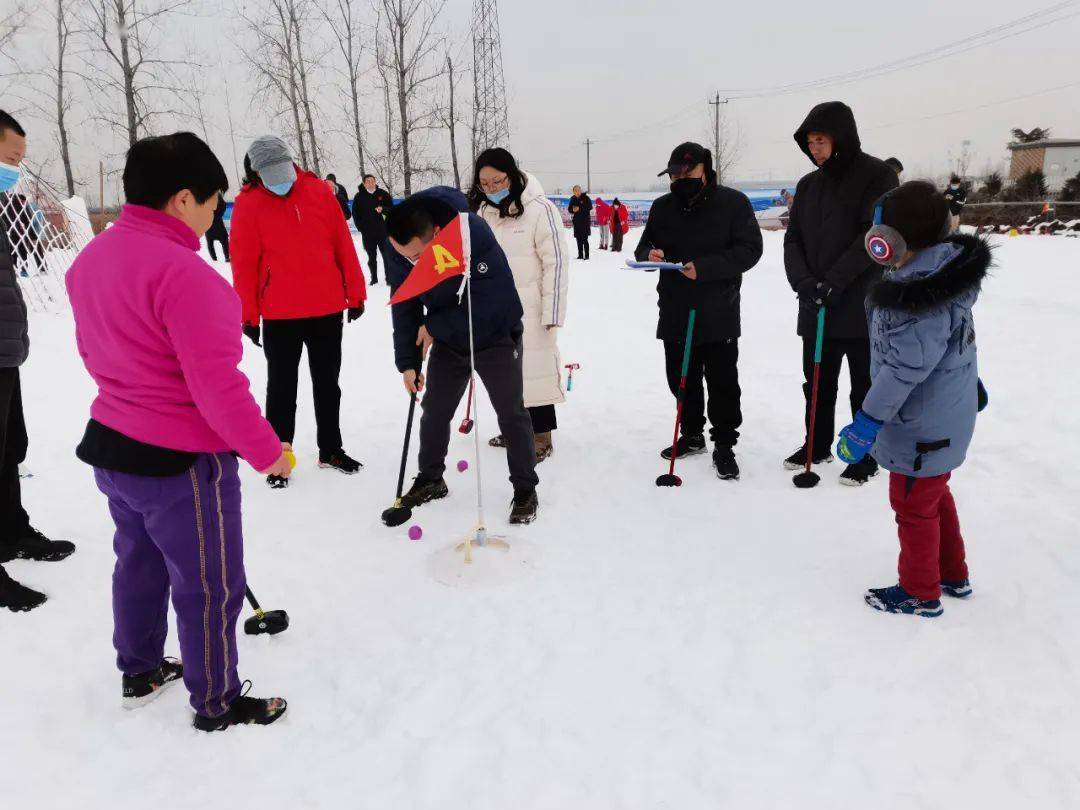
[716, 137]
[588, 165]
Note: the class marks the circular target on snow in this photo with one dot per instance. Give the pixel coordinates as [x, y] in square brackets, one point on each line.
[499, 561]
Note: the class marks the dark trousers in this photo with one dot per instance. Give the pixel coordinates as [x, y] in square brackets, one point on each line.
[221, 240]
[616, 240]
[13, 445]
[543, 418]
[931, 545]
[499, 368]
[180, 534]
[833, 352]
[371, 247]
[582, 247]
[283, 343]
[718, 365]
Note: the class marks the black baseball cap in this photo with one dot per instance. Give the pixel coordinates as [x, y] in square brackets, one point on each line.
[686, 154]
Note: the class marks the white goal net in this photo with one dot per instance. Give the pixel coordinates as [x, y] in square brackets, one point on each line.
[45, 234]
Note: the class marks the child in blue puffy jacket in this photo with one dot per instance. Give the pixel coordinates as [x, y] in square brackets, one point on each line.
[918, 418]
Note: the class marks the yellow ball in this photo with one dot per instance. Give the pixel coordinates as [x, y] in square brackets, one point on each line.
[291, 456]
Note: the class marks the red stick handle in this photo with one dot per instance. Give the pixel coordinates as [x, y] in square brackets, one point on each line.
[813, 419]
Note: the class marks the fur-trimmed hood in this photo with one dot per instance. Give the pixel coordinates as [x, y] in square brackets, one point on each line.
[936, 276]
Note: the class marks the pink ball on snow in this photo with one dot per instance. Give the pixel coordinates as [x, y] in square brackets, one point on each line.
[462, 465]
[415, 532]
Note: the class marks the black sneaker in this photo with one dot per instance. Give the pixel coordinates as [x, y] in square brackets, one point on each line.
[423, 491]
[244, 711]
[727, 469]
[277, 482]
[30, 544]
[17, 597]
[524, 507]
[141, 689]
[858, 474]
[797, 460]
[687, 446]
[337, 460]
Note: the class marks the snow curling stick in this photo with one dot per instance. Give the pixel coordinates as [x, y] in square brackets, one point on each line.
[808, 478]
[467, 423]
[270, 622]
[399, 513]
[671, 479]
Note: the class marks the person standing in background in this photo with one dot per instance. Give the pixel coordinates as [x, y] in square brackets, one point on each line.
[603, 218]
[18, 539]
[370, 208]
[295, 269]
[895, 165]
[956, 197]
[581, 215]
[827, 266]
[340, 194]
[218, 233]
[528, 228]
[619, 225]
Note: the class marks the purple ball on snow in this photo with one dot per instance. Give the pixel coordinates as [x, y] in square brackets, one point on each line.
[415, 532]
[462, 465]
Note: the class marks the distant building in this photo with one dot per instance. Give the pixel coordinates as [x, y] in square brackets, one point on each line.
[1058, 159]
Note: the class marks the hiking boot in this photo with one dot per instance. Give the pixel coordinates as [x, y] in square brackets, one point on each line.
[244, 711]
[498, 441]
[16, 597]
[30, 544]
[727, 469]
[960, 589]
[337, 460]
[423, 491]
[543, 445]
[859, 473]
[797, 460]
[524, 507]
[896, 600]
[143, 688]
[687, 446]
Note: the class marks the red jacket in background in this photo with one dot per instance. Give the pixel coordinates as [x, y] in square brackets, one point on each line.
[293, 256]
[624, 218]
[603, 212]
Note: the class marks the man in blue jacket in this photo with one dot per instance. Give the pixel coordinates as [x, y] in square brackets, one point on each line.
[440, 321]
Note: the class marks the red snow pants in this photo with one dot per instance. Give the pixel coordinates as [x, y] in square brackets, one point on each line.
[931, 546]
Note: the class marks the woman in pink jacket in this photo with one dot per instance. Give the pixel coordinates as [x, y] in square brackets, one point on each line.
[159, 331]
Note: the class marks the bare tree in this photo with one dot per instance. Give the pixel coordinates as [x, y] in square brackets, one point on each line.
[63, 101]
[128, 37]
[385, 163]
[11, 23]
[448, 117]
[344, 24]
[411, 43]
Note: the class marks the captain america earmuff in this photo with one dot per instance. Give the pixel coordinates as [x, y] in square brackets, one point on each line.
[884, 243]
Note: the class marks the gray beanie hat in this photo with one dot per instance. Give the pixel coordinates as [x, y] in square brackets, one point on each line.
[271, 157]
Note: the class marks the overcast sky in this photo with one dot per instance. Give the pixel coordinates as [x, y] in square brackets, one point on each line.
[636, 76]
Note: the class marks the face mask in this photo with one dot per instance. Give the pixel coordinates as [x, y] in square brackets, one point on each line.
[281, 189]
[498, 196]
[9, 176]
[687, 188]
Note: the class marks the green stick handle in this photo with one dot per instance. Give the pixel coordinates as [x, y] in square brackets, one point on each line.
[820, 334]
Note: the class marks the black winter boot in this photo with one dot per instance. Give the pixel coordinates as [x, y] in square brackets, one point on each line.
[18, 598]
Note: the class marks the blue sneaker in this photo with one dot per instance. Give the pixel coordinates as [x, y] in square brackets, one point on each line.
[960, 589]
[896, 600]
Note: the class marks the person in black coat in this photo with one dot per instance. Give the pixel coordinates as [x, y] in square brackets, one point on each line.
[713, 231]
[956, 197]
[371, 205]
[440, 319]
[340, 194]
[218, 233]
[827, 265]
[581, 215]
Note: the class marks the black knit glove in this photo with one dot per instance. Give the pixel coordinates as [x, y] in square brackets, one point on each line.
[355, 312]
[253, 333]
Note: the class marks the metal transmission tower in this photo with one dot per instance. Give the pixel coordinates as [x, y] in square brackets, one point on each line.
[490, 124]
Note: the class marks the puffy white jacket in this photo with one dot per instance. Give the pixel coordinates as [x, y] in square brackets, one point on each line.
[535, 245]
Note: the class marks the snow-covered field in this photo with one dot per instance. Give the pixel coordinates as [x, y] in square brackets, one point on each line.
[703, 647]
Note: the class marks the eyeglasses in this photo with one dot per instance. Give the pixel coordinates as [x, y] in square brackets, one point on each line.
[494, 185]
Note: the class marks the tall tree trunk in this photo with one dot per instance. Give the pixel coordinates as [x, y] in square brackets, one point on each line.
[389, 112]
[403, 111]
[129, 74]
[305, 99]
[450, 124]
[61, 123]
[294, 103]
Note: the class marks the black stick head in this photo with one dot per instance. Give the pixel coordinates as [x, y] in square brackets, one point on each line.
[466, 426]
[270, 623]
[806, 480]
[396, 515]
[667, 480]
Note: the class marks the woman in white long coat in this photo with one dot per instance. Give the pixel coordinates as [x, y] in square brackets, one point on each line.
[529, 229]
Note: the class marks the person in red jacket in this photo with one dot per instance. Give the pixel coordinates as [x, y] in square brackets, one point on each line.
[295, 269]
[603, 220]
[618, 224]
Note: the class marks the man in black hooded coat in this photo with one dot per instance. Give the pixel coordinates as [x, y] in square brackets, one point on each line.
[827, 265]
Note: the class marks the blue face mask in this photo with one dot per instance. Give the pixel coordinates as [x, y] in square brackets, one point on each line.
[281, 189]
[498, 196]
[9, 176]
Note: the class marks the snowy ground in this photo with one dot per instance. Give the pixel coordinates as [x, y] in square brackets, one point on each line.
[706, 647]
